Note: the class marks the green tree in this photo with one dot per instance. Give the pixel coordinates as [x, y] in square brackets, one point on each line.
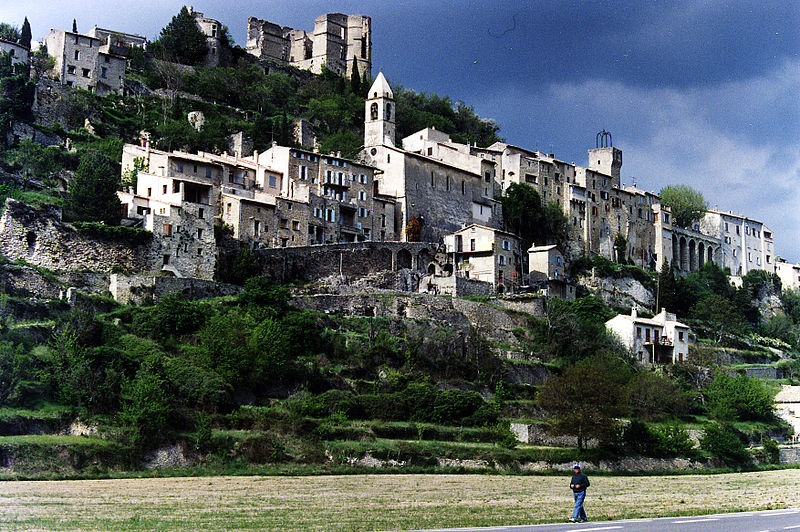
[92, 194]
[739, 398]
[722, 441]
[653, 397]
[687, 204]
[25, 34]
[37, 161]
[146, 404]
[13, 362]
[719, 314]
[583, 402]
[181, 40]
[355, 78]
[525, 215]
[9, 33]
[669, 290]
[620, 248]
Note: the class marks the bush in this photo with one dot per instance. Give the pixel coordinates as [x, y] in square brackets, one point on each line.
[723, 442]
[772, 450]
[738, 398]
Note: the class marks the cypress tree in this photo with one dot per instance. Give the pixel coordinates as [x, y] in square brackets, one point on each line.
[74, 26]
[355, 79]
[25, 34]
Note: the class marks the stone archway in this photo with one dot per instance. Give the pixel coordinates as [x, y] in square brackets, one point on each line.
[404, 259]
[424, 257]
[710, 254]
[701, 255]
[692, 256]
[684, 264]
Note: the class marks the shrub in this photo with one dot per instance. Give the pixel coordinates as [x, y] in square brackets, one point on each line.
[772, 450]
[723, 442]
[115, 233]
[738, 398]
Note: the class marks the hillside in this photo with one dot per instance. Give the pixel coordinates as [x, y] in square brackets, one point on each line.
[302, 377]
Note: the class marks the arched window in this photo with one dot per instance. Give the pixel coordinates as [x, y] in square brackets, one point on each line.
[373, 111]
[388, 111]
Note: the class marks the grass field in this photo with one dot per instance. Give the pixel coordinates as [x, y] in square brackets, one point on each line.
[374, 502]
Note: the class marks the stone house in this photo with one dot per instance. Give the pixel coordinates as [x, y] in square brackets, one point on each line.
[788, 273]
[340, 194]
[745, 244]
[547, 268]
[442, 196]
[118, 42]
[335, 42]
[86, 62]
[486, 254]
[787, 407]
[657, 340]
[19, 54]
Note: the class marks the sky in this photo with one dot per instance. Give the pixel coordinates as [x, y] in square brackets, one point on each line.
[703, 93]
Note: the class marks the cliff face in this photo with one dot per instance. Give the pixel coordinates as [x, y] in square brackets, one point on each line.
[624, 292]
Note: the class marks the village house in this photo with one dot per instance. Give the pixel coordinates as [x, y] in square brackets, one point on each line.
[547, 272]
[486, 254]
[745, 244]
[86, 62]
[787, 407]
[788, 273]
[657, 340]
[17, 52]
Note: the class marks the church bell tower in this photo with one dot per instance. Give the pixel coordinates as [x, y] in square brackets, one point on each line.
[379, 115]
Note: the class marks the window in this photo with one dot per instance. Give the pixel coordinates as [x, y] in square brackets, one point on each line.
[362, 195]
[167, 229]
[303, 170]
[85, 73]
[447, 183]
[273, 182]
[107, 59]
[164, 189]
[77, 55]
[103, 72]
[433, 184]
[199, 233]
[284, 223]
[180, 167]
[638, 332]
[501, 260]
[488, 176]
[295, 225]
[506, 245]
[680, 336]
[166, 260]
[463, 188]
[472, 244]
[200, 213]
[646, 334]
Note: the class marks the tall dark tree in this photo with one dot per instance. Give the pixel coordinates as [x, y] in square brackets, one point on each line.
[181, 40]
[355, 79]
[25, 34]
[669, 296]
[92, 193]
[525, 216]
[74, 26]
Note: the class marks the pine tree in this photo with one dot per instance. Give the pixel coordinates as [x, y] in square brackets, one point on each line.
[181, 40]
[25, 34]
[366, 83]
[355, 79]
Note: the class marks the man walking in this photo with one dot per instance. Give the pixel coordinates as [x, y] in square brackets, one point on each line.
[579, 483]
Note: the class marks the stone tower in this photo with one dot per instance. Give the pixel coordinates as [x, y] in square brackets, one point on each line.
[605, 158]
[379, 116]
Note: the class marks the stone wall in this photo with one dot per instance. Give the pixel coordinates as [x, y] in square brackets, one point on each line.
[533, 304]
[39, 237]
[137, 288]
[454, 285]
[311, 263]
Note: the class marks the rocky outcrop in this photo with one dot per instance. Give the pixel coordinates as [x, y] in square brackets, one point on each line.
[624, 292]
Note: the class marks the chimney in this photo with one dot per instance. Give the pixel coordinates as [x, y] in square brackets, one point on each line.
[634, 313]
